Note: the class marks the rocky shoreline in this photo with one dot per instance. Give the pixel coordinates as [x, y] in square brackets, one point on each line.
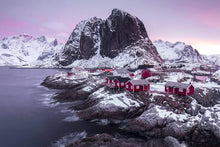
[123, 141]
[159, 116]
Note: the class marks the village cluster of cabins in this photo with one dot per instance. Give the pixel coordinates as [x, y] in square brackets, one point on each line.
[121, 80]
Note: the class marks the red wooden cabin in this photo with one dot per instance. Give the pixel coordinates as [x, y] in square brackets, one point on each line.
[137, 85]
[108, 70]
[120, 82]
[116, 81]
[146, 73]
[179, 88]
[109, 80]
[70, 73]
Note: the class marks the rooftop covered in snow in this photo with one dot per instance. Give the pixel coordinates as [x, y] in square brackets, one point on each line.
[139, 82]
[177, 84]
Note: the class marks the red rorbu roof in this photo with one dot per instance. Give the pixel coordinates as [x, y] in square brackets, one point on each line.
[139, 82]
[112, 77]
[132, 74]
[177, 84]
[122, 79]
[122, 71]
[108, 70]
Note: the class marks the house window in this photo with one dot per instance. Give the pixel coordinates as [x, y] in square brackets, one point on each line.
[126, 86]
[180, 89]
[137, 87]
[118, 84]
[122, 84]
[131, 87]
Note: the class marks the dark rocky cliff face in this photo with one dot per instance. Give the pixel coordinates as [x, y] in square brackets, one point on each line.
[83, 42]
[107, 38]
[120, 30]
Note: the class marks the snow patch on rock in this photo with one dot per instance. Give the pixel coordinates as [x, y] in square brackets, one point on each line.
[68, 139]
[119, 100]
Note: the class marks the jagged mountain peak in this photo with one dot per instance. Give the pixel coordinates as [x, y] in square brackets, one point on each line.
[52, 41]
[83, 41]
[25, 36]
[178, 43]
[120, 19]
[117, 11]
[106, 38]
[82, 23]
[21, 37]
[42, 39]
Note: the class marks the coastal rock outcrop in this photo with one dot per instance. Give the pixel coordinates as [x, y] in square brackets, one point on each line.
[196, 130]
[150, 116]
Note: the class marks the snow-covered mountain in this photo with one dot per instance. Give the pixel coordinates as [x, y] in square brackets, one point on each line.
[120, 40]
[83, 42]
[179, 52]
[215, 59]
[27, 50]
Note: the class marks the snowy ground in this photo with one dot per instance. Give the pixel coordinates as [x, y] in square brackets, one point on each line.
[217, 74]
[175, 76]
[157, 87]
[77, 76]
[207, 84]
[119, 99]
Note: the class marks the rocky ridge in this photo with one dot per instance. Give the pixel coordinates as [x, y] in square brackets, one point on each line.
[121, 141]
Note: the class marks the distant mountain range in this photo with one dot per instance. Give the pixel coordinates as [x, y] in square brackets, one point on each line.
[179, 52]
[26, 50]
[119, 41]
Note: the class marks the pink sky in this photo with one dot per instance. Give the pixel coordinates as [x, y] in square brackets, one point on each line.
[193, 22]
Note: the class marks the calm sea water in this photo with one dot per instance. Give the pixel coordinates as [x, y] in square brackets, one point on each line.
[25, 120]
